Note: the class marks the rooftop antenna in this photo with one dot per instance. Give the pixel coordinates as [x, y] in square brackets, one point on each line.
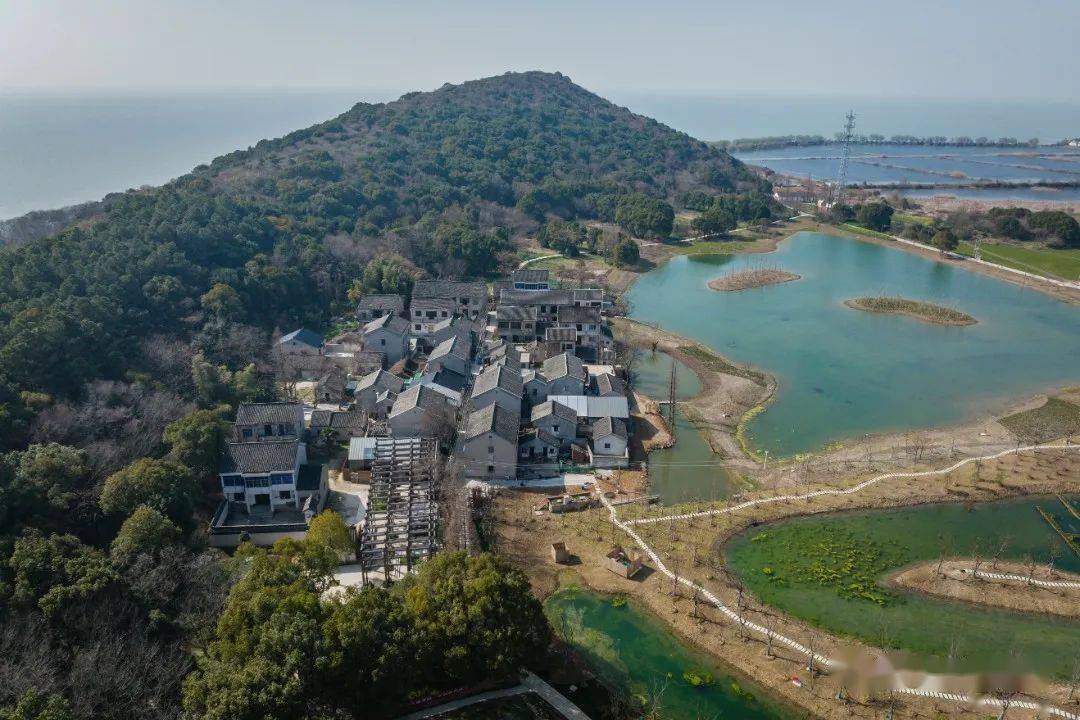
[841, 180]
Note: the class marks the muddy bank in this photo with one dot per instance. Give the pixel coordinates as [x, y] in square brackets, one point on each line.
[953, 579]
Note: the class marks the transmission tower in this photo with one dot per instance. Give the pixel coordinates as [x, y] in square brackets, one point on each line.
[841, 180]
[671, 399]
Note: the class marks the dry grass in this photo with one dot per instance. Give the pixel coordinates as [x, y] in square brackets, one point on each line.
[912, 308]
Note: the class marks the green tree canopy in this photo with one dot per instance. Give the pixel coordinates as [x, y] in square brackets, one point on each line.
[876, 216]
[946, 241]
[625, 252]
[645, 216]
[383, 275]
[164, 485]
[715, 220]
[145, 531]
[52, 571]
[196, 440]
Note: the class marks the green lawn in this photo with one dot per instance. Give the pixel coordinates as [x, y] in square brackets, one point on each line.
[866, 231]
[1061, 264]
[916, 219]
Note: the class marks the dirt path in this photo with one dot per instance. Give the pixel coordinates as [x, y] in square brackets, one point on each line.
[1011, 585]
[691, 549]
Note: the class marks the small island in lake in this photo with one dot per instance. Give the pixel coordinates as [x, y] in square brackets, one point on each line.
[747, 279]
[924, 311]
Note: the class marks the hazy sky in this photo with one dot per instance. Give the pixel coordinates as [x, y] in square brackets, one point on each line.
[943, 48]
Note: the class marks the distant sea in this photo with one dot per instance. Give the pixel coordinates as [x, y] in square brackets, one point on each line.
[61, 149]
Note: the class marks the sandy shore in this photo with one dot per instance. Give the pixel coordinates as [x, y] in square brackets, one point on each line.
[953, 579]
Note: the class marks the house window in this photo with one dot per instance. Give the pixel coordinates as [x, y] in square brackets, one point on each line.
[282, 479]
[491, 449]
[382, 341]
[607, 446]
[246, 432]
[285, 494]
[232, 481]
[238, 497]
[268, 429]
[281, 428]
[555, 428]
[491, 468]
[445, 314]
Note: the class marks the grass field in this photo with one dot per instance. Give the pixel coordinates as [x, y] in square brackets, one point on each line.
[1061, 264]
[1056, 419]
[915, 219]
[866, 231]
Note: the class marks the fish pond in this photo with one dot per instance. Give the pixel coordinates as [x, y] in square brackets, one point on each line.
[631, 652]
[689, 470]
[828, 570]
[844, 373]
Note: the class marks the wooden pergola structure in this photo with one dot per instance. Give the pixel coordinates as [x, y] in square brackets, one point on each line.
[401, 525]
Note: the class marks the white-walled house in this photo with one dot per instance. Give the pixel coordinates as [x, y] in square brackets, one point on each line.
[372, 307]
[608, 448]
[269, 474]
[534, 387]
[488, 445]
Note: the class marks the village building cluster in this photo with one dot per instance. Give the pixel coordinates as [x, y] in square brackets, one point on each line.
[503, 385]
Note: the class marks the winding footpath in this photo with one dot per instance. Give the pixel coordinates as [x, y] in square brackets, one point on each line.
[815, 658]
[1021, 578]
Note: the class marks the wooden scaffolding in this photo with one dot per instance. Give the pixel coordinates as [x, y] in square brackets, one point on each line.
[400, 527]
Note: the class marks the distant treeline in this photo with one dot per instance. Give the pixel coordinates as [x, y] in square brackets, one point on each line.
[781, 141]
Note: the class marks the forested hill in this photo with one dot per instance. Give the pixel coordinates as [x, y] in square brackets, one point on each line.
[271, 236]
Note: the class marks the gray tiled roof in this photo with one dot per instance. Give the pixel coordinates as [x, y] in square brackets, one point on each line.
[389, 322]
[533, 297]
[263, 413]
[259, 457]
[529, 276]
[448, 379]
[453, 345]
[559, 410]
[579, 314]
[608, 384]
[379, 378]
[493, 418]
[515, 312]
[560, 334]
[509, 379]
[610, 426]
[562, 365]
[305, 336]
[389, 303]
[417, 396]
[448, 289]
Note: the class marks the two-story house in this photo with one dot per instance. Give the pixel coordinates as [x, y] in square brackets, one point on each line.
[488, 447]
[270, 474]
[557, 420]
[371, 307]
[301, 342]
[436, 300]
[454, 353]
[530, 280]
[367, 390]
[420, 411]
[516, 323]
[269, 421]
[388, 335]
[499, 384]
[565, 374]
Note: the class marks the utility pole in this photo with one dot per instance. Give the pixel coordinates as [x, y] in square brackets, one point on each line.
[841, 180]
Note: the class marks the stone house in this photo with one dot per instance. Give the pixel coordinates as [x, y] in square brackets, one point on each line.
[556, 419]
[419, 412]
[489, 443]
[565, 374]
[369, 387]
[388, 335]
[499, 384]
[301, 342]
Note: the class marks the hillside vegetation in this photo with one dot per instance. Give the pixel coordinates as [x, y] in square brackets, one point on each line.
[127, 342]
[444, 180]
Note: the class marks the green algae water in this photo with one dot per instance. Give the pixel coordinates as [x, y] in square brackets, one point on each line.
[690, 470]
[827, 570]
[844, 373]
[629, 650]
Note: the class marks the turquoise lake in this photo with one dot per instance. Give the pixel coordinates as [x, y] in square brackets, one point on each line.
[843, 373]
